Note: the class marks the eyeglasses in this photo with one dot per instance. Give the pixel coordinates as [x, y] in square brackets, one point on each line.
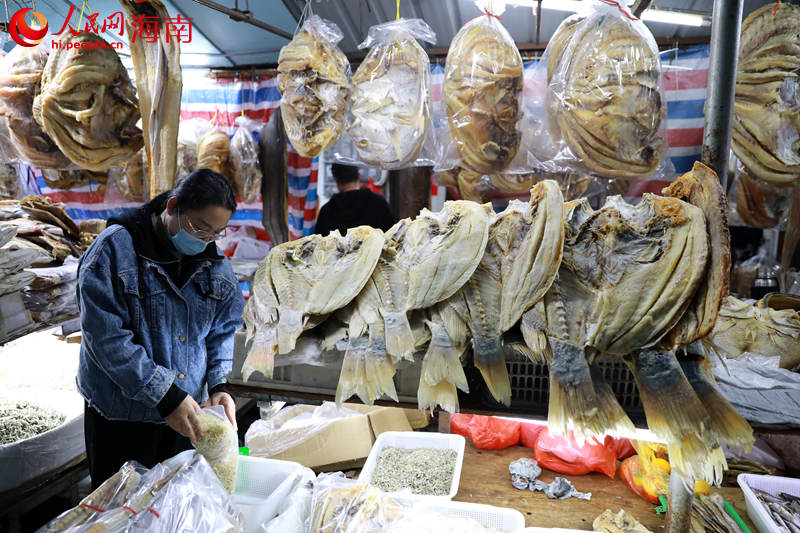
[202, 234]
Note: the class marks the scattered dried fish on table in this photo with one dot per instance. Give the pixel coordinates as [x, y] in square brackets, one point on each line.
[784, 509]
[427, 471]
[622, 522]
[23, 420]
[709, 516]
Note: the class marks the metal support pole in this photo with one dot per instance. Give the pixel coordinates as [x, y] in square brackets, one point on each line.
[679, 506]
[726, 24]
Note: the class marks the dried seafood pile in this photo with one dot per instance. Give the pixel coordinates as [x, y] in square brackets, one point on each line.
[640, 282]
[315, 89]
[23, 420]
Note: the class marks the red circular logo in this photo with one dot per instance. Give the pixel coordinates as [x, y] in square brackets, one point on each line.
[20, 31]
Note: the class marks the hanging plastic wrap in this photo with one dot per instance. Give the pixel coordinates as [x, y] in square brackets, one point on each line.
[604, 105]
[244, 159]
[482, 99]
[390, 109]
[313, 77]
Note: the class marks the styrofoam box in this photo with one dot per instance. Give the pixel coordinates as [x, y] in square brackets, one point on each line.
[497, 518]
[771, 485]
[262, 486]
[411, 439]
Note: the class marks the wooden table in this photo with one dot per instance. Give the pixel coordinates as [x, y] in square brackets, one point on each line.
[485, 479]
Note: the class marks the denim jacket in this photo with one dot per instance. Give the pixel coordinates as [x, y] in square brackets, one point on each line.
[142, 333]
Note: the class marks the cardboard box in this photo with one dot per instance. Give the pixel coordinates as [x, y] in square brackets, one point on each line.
[346, 442]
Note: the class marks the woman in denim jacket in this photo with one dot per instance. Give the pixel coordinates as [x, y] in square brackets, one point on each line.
[159, 308]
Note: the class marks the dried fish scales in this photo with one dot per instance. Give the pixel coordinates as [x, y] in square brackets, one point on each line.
[391, 98]
[87, 103]
[482, 91]
[766, 110]
[604, 78]
[19, 85]
[314, 85]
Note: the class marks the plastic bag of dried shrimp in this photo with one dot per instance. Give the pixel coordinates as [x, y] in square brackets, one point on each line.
[604, 109]
[390, 104]
[478, 125]
[244, 159]
[314, 80]
[219, 445]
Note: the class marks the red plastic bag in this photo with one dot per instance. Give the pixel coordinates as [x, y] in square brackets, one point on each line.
[486, 432]
[624, 448]
[557, 453]
[644, 486]
[529, 433]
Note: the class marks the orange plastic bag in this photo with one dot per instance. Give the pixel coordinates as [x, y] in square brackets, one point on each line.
[557, 453]
[648, 487]
[529, 433]
[486, 432]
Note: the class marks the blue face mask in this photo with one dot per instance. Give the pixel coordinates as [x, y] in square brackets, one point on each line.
[186, 243]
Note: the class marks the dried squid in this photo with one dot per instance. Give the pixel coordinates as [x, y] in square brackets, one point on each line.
[87, 103]
[482, 92]
[19, 85]
[766, 110]
[315, 89]
[159, 82]
[391, 95]
[301, 281]
[606, 94]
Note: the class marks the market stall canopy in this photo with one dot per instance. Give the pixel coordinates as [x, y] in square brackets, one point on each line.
[218, 41]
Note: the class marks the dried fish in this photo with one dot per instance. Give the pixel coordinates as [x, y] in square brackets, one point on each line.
[23, 420]
[275, 179]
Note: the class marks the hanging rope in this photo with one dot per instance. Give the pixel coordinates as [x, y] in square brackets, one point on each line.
[80, 18]
[307, 12]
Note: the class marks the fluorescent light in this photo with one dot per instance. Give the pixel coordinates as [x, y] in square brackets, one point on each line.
[681, 18]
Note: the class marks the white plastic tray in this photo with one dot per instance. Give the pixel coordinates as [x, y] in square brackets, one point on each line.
[771, 485]
[498, 518]
[411, 439]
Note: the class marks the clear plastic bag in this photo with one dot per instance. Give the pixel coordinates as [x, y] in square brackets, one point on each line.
[314, 80]
[244, 157]
[482, 101]
[189, 134]
[758, 203]
[390, 112]
[10, 181]
[605, 107]
[219, 445]
[292, 517]
[134, 178]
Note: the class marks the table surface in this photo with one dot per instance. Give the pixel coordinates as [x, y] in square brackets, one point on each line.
[485, 479]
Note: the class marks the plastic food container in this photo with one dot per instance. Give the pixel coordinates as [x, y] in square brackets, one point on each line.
[411, 440]
[498, 518]
[771, 485]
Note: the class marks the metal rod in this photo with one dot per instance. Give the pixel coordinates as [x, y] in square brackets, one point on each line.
[244, 17]
[539, 21]
[726, 24]
[679, 506]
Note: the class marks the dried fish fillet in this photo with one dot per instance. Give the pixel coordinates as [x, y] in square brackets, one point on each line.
[87, 103]
[298, 280]
[19, 85]
[482, 91]
[158, 83]
[766, 109]
[391, 95]
[315, 90]
[605, 94]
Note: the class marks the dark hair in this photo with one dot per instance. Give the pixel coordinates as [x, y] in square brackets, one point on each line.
[344, 173]
[202, 188]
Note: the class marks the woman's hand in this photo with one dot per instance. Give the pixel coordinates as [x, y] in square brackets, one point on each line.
[184, 419]
[224, 399]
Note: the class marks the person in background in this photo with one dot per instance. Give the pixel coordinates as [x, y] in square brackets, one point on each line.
[159, 307]
[352, 206]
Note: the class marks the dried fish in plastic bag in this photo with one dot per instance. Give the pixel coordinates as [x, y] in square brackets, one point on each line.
[244, 157]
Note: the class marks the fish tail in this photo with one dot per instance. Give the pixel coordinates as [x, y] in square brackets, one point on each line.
[290, 326]
[674, 412]
[536, 340]
[378, 367]
[609, 410]
[573, 399]
[399, 337]
[352, 378]
[443, 394]
[491, 361]
[443, 360]
[693, 459]
[725, 420]
[261, 356]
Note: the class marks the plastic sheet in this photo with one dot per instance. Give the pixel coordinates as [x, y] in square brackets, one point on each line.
[482, 101]
[390, 112]
[563, 455]
[605, 108]
[313, 77]
[219, 445]
[244, 157]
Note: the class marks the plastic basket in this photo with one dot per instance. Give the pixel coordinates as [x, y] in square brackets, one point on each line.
[497, 518]
[771, 485]
[410, 439]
